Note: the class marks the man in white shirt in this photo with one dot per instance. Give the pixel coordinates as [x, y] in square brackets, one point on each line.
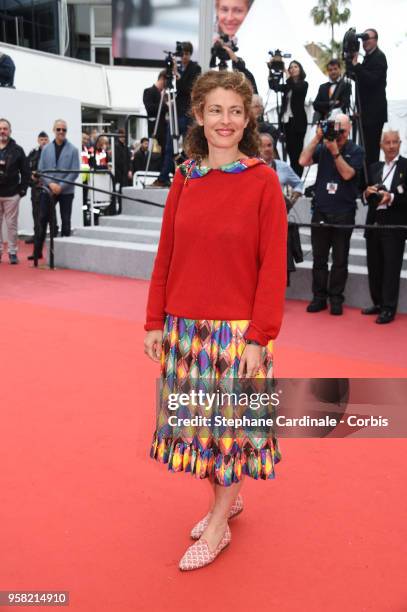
[386, 196]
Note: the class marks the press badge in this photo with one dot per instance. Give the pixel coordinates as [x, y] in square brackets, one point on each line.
[400, 189]
[332, 188]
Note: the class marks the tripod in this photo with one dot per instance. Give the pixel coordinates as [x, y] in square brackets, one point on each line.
[170, 92]
[274, 85]
[356, 117]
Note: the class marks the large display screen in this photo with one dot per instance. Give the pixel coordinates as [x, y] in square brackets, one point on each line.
[145, 29]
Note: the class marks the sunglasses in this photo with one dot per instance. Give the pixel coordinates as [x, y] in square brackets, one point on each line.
[60, 130]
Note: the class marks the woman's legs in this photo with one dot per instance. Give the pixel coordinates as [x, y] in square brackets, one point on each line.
[224, 499]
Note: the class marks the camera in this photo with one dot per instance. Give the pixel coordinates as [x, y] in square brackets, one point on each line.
[330, 129]
[169, 59]
[276, 68]
[376, 198]
[179, 51]
[218, 52]
[351, 45]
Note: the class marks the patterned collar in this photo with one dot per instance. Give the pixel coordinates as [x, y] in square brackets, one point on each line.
[191, 169]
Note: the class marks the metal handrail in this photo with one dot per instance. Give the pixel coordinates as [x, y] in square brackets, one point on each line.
[298, 224]
[111, 193]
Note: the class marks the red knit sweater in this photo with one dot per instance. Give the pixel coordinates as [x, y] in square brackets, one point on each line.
[223, 252]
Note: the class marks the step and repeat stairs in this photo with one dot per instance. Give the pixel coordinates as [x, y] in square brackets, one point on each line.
[126, 245]
[357, 287]
[121, 245]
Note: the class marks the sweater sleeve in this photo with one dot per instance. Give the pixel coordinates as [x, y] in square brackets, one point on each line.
[157, 292]
[268, 304]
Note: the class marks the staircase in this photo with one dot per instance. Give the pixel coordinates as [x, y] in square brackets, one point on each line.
[126, 245]
[123, 245]
[357, 287]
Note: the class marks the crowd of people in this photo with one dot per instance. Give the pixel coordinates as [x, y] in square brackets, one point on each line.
[339, 183]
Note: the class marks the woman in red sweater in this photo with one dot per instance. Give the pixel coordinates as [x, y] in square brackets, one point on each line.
[216, 299]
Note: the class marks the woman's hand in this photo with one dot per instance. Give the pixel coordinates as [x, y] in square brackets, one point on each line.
[250, 361]
[152, 344]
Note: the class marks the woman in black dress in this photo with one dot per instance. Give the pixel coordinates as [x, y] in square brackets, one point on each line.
[293, 114]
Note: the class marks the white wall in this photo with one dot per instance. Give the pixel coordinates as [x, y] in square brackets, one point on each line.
[30, 113]
[119, 88]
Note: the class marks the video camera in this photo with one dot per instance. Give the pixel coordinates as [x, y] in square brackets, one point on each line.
[218, 51]
[276, 68]
[169, 61]
[351, 46]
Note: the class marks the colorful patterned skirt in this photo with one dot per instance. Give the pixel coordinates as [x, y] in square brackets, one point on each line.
[201, 352]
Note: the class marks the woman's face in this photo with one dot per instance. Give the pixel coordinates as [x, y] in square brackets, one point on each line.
[223, 119]
[294, 70]
[231, 14]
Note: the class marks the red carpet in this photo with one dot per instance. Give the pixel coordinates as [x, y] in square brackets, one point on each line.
[84, 509]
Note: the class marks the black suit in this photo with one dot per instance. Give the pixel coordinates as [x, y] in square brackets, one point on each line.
[323, 103]
[140, 161]
[385, 248]
[296, 127]
[122, 160]
[184, 87]
[371, 79]
[151, 100]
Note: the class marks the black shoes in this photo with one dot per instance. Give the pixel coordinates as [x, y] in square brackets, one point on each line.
[336, 309]
[31, 257]
[386, 316]
[317, 306]
[372, 310]
[13, 258]
[29, 240]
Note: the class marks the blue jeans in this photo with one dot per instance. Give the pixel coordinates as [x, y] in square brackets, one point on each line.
[168, 162]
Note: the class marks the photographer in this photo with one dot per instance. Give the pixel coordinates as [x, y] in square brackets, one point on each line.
[293, 114]
[185, 76]
[332, 95]
[14, 180]
[339, 162]
[238, 63]
[371, 78]
[386, 196]
[151, 101]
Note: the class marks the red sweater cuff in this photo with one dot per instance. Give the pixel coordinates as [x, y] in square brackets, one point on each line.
[254, 334]
[154, 325]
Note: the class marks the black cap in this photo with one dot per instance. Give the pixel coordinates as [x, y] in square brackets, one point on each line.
[43, 135]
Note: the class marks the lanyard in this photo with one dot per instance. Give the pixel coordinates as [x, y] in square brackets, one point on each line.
[389, 172]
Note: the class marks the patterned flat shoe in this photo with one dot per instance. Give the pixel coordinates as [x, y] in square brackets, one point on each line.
[200, 527]
[198, 555]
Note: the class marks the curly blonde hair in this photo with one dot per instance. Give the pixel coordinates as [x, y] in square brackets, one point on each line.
[196, 145]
